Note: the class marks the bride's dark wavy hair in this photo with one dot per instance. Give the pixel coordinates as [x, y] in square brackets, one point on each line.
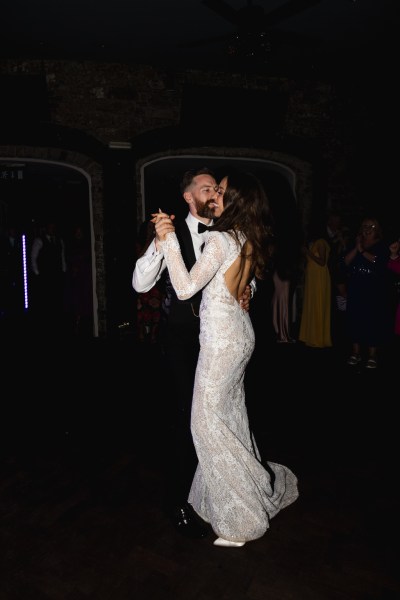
[247, 210]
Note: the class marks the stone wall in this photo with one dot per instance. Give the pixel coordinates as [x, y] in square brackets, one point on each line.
[76, 109]
[120, 102]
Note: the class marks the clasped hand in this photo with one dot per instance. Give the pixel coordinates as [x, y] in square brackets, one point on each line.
[162, 224]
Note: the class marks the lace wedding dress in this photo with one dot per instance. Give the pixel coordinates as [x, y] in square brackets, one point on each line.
[231, 489]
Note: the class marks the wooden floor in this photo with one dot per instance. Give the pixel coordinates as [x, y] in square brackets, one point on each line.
[84, 430]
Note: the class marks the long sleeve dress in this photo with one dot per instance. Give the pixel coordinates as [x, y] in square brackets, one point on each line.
[231, 489]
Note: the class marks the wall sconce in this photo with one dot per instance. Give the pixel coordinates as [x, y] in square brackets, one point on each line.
[120, 145]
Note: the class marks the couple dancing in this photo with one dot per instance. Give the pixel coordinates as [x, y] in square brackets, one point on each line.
[231, 489]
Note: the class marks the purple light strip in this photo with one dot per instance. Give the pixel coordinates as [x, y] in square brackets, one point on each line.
[25, 272]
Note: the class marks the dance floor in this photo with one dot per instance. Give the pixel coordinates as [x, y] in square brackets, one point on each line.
[84, 431]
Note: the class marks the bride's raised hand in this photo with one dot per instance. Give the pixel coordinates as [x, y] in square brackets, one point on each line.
[163, 224]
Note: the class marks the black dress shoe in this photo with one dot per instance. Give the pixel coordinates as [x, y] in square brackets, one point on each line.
[188, 523]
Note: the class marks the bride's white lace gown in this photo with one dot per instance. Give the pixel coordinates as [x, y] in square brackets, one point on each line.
[231, 489]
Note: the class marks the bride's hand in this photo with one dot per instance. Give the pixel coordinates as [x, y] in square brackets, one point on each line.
[163, 225]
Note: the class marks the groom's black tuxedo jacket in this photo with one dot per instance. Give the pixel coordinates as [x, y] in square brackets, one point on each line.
[175, 310]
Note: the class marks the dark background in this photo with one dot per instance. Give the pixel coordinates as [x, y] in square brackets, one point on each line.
[316, 36]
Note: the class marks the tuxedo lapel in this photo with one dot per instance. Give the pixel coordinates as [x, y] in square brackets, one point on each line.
[181, 311]
[186, 244]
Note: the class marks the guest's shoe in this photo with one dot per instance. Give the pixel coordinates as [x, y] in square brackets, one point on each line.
[371, 363]
[188, 523]
[354, 360]
[227, 543]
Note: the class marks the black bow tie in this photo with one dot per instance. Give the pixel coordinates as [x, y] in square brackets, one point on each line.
[202, 228]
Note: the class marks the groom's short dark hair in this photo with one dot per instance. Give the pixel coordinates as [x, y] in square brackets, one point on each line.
[189, 175]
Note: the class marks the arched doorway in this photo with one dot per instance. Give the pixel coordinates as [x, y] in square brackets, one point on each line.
[160, 174]
[160, 177]
[34, 191]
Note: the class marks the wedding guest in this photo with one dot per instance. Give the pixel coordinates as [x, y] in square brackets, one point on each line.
[315, 324]
[148, 304]
[367, 314]
[11, 279]
[286, 266]
[48, 262]
[394, 267]
[338, 239]
[79, 293]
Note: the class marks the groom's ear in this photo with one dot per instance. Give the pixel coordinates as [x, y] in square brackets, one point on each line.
[188, 197]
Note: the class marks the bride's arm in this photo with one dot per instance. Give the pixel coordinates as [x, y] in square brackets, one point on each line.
[185, 283]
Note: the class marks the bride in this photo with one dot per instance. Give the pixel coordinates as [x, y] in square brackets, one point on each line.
[231, 489]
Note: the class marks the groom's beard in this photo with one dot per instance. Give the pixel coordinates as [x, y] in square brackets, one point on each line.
[206, 210]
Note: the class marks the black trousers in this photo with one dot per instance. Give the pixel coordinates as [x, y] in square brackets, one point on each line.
[180, 349]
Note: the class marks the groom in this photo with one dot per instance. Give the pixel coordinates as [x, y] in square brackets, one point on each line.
[180, 342]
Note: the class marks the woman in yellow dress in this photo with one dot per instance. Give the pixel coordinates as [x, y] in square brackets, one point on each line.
[315, 324]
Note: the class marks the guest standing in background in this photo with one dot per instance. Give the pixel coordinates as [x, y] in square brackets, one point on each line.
[11, 279]
[394, 267]
[79, 304]
[368, 320]
[315, 324]
[286, 266]
[339, 239]
[49, 266]
[148, 304]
